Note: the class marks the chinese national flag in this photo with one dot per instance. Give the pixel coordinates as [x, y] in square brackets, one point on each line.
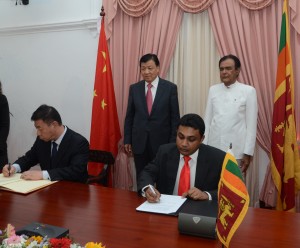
[285, 164]
[233, 199]
[105, 129]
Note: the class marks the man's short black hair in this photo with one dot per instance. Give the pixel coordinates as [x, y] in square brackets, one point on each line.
[236, 60]
[145, 58]
[194, 121]
[47, 114]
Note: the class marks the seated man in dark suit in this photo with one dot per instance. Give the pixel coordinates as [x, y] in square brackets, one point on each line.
[188, 168]
[61, 152]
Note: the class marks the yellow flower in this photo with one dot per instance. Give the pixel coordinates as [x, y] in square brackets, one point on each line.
[38, 239]
[93, 245]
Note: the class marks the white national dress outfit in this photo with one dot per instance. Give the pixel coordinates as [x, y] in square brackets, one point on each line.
[231, 117]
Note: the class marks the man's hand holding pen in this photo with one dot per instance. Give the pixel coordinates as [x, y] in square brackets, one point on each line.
[152, 194]
[8, 170]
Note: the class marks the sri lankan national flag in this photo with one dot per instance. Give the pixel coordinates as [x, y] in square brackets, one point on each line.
[285, 164]
[233, 199]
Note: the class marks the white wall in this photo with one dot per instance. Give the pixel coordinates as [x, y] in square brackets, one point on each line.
[47, 55]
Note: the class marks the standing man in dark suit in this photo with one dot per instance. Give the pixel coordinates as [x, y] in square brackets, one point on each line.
[152, 114]
[188, 168]
[61, 152]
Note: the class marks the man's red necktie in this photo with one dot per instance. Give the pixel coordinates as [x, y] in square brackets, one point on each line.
[149, 98]
[184, 181]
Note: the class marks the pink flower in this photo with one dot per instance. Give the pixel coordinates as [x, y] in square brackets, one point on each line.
[13, 240]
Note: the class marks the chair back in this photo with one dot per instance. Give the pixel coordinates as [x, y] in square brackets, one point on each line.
[103, 157]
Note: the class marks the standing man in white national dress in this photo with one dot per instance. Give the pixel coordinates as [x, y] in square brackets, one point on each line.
[231, 113]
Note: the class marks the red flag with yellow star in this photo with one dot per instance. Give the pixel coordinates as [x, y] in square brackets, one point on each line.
[285, 163]
[105, 128]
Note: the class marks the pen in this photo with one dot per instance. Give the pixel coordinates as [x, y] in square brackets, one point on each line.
[152, 189]
[9, 167]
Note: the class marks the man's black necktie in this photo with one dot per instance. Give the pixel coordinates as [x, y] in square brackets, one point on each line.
[54, 149]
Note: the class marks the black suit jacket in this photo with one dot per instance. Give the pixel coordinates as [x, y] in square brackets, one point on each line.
[163, 169]
[70, 162]
[4, 130]
[160, 126]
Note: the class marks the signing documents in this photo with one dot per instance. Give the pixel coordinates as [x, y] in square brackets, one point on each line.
[16, 184]
[168, 204]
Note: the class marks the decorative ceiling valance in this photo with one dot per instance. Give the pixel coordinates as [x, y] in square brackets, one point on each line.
[193, 6]
[255, 4]
[137, 8]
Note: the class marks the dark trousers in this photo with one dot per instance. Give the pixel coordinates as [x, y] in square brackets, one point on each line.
[3, 155]
[141, 160]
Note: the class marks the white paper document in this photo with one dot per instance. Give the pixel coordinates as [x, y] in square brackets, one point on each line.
[168, 204]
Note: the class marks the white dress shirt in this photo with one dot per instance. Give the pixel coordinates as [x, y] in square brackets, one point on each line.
[193, 167]
[153, 88]
[192, 164]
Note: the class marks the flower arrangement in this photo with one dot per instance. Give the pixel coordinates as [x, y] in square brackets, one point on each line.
[9, 239]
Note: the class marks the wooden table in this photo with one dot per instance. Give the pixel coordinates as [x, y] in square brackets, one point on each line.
[94, 213]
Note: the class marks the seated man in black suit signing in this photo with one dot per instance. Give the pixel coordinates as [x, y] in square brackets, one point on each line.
[61, 152]
[188, 168]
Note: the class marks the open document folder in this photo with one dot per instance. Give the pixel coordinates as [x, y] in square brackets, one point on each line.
[16, 184]
[168, 204]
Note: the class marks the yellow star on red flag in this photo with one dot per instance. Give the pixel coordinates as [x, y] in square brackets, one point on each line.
[104, 56]
[103, 104]
[95, 93]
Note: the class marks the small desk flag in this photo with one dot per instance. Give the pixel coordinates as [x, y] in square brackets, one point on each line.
[233, 199]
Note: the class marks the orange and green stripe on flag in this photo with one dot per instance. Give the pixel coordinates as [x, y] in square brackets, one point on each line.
[285, 163]
[233, 200]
